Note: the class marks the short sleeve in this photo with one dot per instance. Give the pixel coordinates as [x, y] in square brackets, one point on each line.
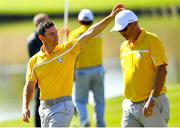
[30, 73]
[74, 46]
[157, 52]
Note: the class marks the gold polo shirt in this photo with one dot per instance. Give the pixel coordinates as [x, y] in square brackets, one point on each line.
[91, 55]
[54, 72]
[139, 62]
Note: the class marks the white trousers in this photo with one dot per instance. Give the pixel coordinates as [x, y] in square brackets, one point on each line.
[58, 115]
[133, 114]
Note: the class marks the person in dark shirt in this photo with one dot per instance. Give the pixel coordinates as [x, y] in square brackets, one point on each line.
[33, 46]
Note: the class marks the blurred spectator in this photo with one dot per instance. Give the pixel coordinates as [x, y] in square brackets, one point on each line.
[89, 73]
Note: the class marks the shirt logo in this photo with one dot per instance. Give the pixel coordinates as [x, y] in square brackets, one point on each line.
[60, 60]
[138, 55]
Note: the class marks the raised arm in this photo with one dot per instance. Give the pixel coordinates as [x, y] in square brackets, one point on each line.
[27, 96]
[98, 27]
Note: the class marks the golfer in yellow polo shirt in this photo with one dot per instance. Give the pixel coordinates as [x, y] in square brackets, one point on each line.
[143, 63]
[53, 69]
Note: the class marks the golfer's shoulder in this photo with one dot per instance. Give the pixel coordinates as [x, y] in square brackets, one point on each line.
[34, 58]
[124, 44]
[151, 35]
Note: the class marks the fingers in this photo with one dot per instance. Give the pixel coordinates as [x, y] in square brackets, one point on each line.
[119, 6]
[114, 12]
[148, 108]
[26, 116]
[117, 10]
[147, 113]
[151, 112]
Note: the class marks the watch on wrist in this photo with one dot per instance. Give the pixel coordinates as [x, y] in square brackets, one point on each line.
[153, 98]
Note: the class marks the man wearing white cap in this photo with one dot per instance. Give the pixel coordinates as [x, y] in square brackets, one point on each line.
[89, 73]
[143, 63]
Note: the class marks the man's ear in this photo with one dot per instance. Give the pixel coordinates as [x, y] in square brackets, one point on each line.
[41, 37]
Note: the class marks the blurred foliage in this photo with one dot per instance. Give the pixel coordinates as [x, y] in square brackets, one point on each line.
[57, 6]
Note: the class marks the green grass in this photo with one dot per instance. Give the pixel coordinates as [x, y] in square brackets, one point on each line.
[114, 111]
[174, 96]
[57, 6]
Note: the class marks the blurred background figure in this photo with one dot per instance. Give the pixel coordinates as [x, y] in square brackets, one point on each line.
[89, 73]
[34, 45]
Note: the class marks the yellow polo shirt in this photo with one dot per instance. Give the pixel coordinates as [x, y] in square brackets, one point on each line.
[91, 54]
[139, 62]
[54, 72]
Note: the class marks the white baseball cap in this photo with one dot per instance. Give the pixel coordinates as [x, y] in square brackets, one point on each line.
[122, 19]
[85, 15]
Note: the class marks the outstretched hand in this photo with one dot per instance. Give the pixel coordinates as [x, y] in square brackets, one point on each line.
[117, 8]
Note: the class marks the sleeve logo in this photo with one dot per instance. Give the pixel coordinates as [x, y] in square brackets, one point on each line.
[60, 60]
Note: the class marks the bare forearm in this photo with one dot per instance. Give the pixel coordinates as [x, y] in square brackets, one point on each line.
[159, 80]
[28, 92]
[97, 28]
[158, 84]
[27, 96]
[94, 30]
